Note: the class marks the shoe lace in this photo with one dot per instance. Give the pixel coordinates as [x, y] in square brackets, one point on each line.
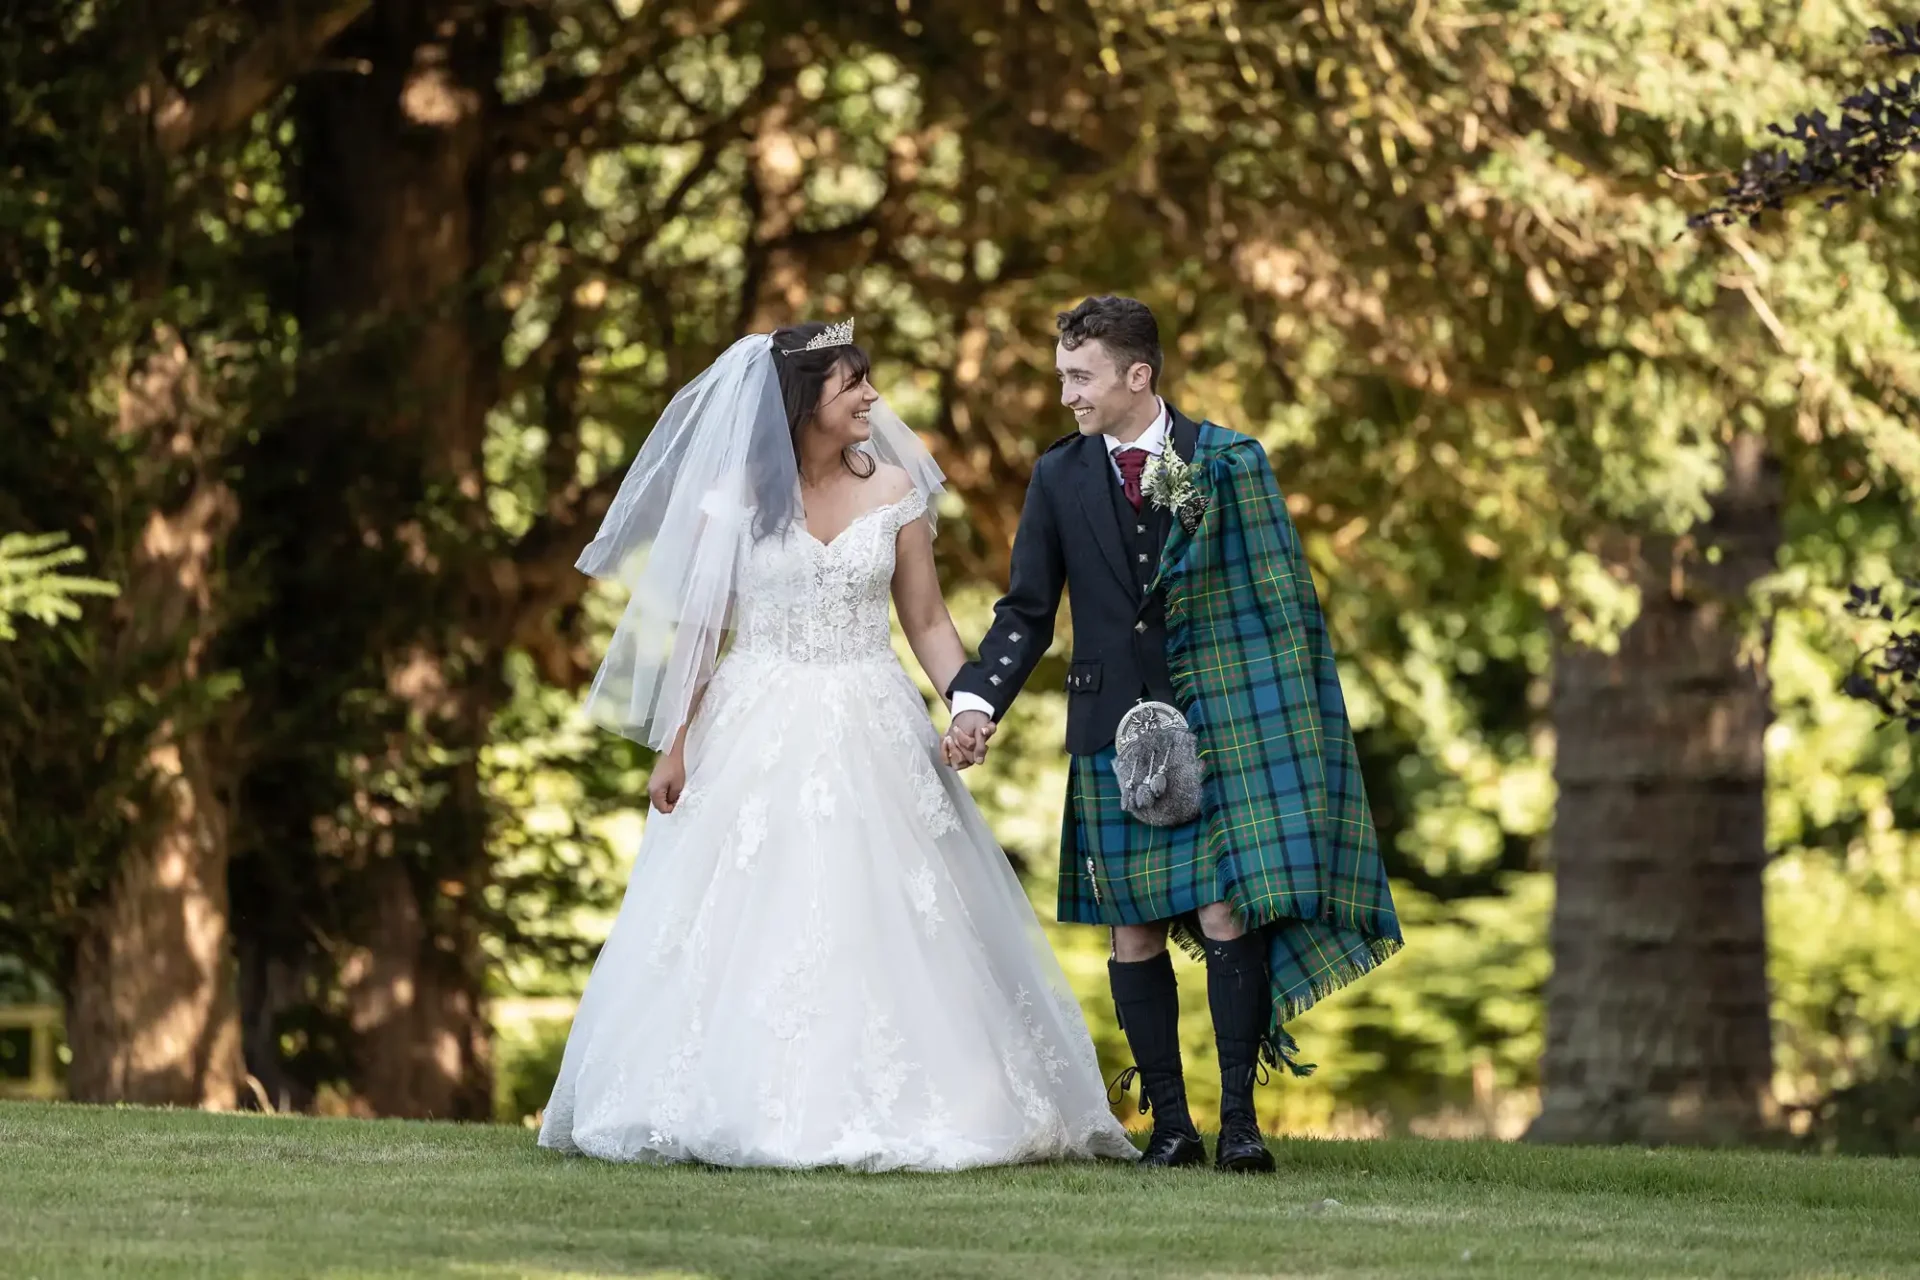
[1124, 1081]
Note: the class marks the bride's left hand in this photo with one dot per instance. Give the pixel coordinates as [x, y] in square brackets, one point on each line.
[668, 781]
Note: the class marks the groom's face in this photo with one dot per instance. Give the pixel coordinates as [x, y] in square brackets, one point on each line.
[1102, 395]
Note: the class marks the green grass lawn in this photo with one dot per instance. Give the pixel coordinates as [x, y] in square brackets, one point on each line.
[86, 1192]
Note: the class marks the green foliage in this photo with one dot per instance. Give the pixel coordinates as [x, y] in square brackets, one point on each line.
[562, 792]
[33, 586]
[1858, 151]
[1845, 886]
[20, 985]
[526, 1063]
[137, 341]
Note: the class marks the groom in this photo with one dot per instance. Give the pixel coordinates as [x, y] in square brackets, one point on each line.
[1208, 607]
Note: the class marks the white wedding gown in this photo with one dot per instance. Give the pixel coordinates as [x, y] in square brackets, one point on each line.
[823, 957]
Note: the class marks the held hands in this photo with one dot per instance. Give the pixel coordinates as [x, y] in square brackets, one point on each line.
[965, 744]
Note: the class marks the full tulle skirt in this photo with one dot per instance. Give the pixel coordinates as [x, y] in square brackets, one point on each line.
[824, 959]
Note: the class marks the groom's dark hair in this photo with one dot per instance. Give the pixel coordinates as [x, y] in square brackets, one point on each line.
[1123, 325]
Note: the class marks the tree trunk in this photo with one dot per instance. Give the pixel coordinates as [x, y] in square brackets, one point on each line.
[417, 1011]
[386, 635]
[151, 1012]
[1657, 1009]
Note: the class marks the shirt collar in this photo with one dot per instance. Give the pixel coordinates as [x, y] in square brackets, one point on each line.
[1153, 439]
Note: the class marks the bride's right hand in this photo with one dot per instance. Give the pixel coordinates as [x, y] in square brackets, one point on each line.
[668, 781]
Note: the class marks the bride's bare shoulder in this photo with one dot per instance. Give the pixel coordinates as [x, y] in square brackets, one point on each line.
[889, 484]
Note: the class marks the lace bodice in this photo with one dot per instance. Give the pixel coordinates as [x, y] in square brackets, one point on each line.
[802, 600]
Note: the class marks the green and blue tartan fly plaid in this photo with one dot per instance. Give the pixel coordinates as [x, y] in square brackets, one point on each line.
[1285, 810]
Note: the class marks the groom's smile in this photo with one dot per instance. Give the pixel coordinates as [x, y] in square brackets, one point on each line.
[1105, 398]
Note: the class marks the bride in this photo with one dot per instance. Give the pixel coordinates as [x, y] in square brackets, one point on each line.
[823, 957]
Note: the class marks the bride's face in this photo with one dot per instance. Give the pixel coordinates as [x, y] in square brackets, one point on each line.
[845, 401]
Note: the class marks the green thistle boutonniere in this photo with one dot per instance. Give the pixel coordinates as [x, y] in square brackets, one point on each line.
[1172, 484]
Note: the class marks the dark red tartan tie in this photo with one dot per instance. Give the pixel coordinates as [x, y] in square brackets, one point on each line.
[1131, 463]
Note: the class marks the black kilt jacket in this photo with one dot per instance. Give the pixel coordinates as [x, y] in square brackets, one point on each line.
[1078, 534]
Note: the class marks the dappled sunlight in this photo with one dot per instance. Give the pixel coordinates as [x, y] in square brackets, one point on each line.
[331, 333]
[429, 97]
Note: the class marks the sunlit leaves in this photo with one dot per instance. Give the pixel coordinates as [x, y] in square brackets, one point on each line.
[1855, 151]
[35, 583]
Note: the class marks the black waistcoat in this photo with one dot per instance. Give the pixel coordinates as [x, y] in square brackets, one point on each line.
[1144, 533]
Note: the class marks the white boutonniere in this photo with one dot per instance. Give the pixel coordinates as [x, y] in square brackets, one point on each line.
[1172, 484]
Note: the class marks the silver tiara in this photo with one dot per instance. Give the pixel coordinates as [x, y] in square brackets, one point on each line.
[834, 335]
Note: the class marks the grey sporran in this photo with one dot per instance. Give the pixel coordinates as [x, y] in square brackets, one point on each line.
[1157, 763]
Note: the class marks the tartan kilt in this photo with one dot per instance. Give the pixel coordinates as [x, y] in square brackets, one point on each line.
[1117, 870]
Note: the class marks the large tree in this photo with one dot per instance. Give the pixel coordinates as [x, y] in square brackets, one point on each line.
[1657, 1010]
[134, 351]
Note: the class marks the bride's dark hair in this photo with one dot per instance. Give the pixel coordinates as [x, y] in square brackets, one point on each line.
[803, 376]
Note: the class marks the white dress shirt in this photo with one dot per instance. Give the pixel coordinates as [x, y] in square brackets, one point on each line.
[1154, 441]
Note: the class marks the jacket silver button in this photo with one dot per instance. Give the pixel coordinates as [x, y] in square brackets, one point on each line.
[1139, 626]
